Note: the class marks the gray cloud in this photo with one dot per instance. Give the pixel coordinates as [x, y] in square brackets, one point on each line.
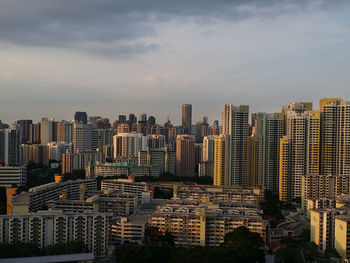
[109, 27]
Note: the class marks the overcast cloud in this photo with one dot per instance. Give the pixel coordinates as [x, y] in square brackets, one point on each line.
[115, 57]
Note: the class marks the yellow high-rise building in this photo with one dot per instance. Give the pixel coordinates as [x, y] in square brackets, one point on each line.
[221, 159]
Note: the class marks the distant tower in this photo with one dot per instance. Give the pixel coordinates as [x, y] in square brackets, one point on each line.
[80, 116]
[187, 118]
[185, 155]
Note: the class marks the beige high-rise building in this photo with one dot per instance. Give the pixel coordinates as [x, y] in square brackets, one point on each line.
[335, 136]
[185, 155]
[299, 152]
[235, 124]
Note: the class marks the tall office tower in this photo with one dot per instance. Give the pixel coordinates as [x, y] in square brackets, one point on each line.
[84, 137]
[202, 129]
[297, 107]
[80, 116]
[268, 130]
[235, 124]
[143, 118]
[35, 133]
[185, 155]
[122, 118]
[129, 144]
[221, 167]
[24, 128]
[299, 152]
[151, 120]
[335, 136]
[48, 131]
[132, 118]
[187, 118]
[9, 146]
[65, 131]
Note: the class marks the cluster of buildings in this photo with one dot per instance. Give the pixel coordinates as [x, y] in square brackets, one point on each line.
[300, 154]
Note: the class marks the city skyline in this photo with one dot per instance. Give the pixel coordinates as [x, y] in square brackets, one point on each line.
[60, 59]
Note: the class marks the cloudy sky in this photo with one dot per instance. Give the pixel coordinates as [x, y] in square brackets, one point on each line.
[111, 57]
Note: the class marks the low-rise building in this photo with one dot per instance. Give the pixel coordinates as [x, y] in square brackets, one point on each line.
[193, 223]
[13, 175]
[38, 197]
[47, 228]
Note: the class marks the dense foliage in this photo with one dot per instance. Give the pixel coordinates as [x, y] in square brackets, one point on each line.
[272, 209]
[31, 250]
[76, 174]
[168, 177]
[292, 250]
[241, 245]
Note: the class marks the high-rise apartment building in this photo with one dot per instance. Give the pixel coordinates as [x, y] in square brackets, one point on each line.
[85, 137]
[299, 152]
[185, 155]
[9, 146]
[129, 144]
[265, 146]
[34, 133]
[187, 118]
[48, 131]
[335, 136]
[65, 131]
[221, 167]
[235, 124]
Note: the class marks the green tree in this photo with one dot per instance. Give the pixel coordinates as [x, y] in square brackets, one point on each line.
[286, 255]
[311, 251]
[154, 237]
[331, 253]
[246, 244]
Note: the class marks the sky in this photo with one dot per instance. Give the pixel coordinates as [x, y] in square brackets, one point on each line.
[111, 57]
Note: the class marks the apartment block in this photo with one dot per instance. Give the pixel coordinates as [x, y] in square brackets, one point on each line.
[47, 228]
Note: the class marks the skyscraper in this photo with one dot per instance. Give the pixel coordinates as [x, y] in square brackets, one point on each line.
[222, 163]
[187, 118]
[185, 155]
[24, 128]
[235, 124]
[267, 132]
[299, 152]
[335, 136]
[80, 116]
